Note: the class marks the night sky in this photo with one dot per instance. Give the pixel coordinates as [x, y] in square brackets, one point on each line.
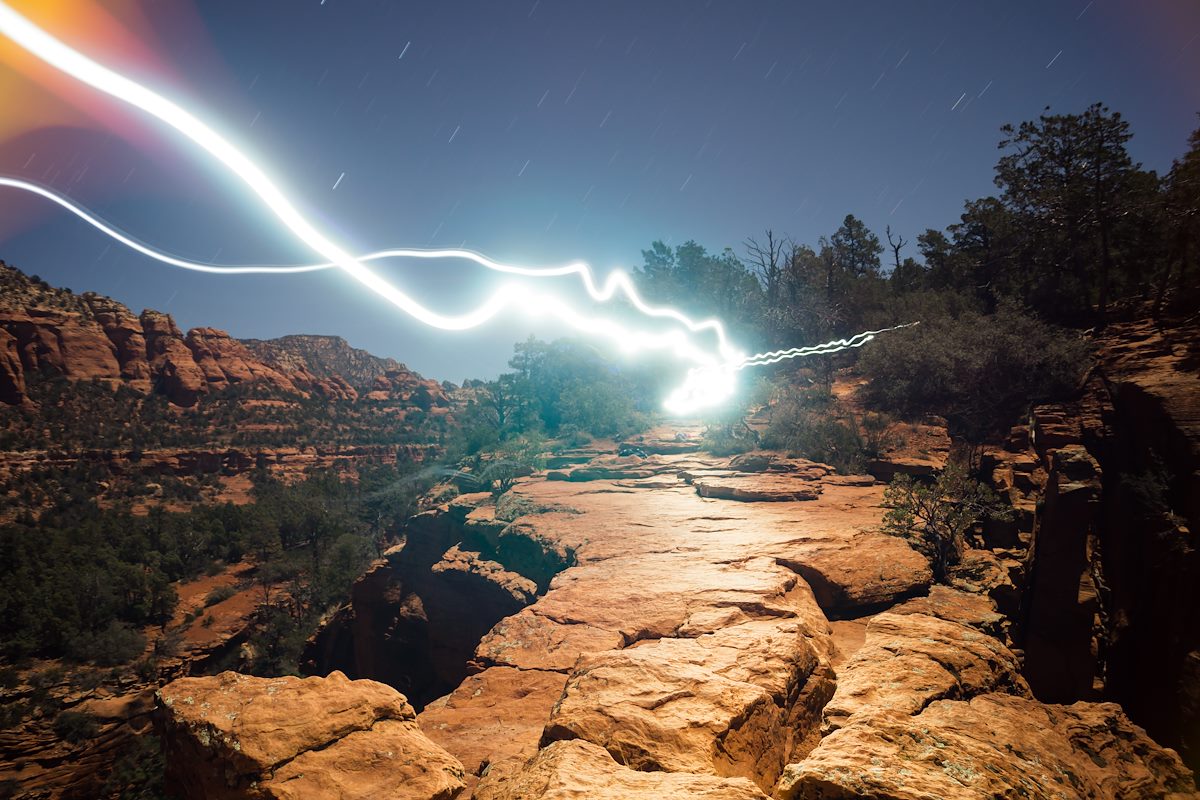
[544, 132]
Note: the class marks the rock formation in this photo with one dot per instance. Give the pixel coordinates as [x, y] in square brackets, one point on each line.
[325, 357]
[233, 736]
[85, 337]
[681, 648]
[1105, 488]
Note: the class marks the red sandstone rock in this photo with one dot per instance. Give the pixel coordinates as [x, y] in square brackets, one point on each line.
[225, 361]
[758, 488]
[12, 373]
[233, 736]
[124, 330]
[172, 364]
[909, 660]
[965, 608]
[493, 721]
[578, 770]
[720, 703]
[996, 745]
[61, 342]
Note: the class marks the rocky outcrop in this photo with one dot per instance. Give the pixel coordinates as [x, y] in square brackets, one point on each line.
[61, 342]
[226, 362]
[910, 660]
[680, 638]
[128, 338]
[995, 745]
[36, 761]
[1147, 441]
[88, 336]
[233, 736]
[175, 371]
[581, 769]
[1105, 487]
[415, 618]
[12, 372]
[323, 357]
[1063, 611]
[411, 389]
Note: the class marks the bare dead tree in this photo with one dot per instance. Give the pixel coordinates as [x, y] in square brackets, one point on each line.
[767, 260]
[895, 244]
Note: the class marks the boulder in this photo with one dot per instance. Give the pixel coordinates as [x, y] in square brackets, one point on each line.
[235, 736]
[910, 660]
[577, 769]
[995, 745]
[758, 488]
[964, 608]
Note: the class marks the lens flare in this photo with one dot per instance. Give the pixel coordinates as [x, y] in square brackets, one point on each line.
[711, 381]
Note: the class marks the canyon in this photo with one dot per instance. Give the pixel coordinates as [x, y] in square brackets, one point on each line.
[669, 623]
[621, 634]
[684, 625]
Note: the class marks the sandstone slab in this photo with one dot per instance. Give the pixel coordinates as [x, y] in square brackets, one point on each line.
[577, 770]
[995, 745]
[493, 721]
[909, 660]
[758, 488]
[234, 736]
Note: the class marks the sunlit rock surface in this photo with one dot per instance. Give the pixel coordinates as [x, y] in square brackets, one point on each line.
[233, 736]
[661, 643]
[995, 745]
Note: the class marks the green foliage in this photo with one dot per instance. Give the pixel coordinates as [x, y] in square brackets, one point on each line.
[979, 371]
[75, 726]
[138, 772]
[936, 518]
[567, 383]
[219, 594]
[516, 458]
[1066, 179]
[811, 424]
[702, 283]
[82, 581]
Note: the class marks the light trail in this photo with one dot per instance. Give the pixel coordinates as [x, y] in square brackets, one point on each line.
[719, 381]
[711, 382]
[616, 280]
[837, 345]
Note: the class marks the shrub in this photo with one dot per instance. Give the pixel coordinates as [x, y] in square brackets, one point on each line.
[75, 726]
[808, 424]
[113, 645]
[980, 372]
[935, 518]
[11, 715]
[220, 594]
[138, 772]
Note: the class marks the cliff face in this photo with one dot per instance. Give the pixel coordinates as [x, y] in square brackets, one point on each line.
[86, 337]
[1110, 486]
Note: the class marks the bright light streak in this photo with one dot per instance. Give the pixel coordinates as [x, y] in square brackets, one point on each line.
[616, 280]
[837, 345]
[710, 383]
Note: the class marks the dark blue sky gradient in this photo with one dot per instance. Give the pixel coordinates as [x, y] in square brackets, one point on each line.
[551, 131]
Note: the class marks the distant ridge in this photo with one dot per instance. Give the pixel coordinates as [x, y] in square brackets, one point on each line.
[324, 357]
